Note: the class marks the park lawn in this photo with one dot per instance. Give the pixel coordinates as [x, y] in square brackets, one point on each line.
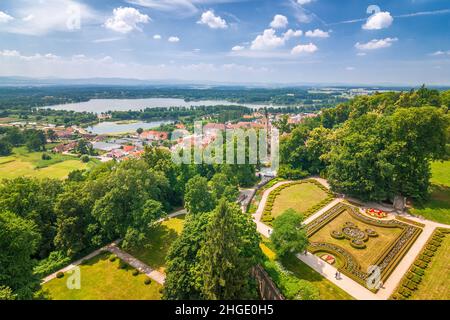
[30, 164]
[440, 173]
[437, 208]
[300, 197]
[154, 252]
[327, 289]
[375, 246]
[101, 279]
[435, 283]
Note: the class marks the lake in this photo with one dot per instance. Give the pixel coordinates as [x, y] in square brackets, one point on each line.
[104, 105]
[123, 127]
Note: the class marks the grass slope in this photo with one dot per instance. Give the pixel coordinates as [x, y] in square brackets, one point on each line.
[154, 252]
[101, 279]
[435, 283]
[437, 208]
[30, 164]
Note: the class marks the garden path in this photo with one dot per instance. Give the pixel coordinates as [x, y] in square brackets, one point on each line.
[329, 272]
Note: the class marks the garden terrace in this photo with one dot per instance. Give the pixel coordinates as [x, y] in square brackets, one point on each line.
[104, 277]
[429, 276]
[358, 242]
[305, 197]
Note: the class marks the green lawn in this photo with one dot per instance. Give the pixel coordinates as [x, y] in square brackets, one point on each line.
[299, 270]
[435, 283]
[299, 197]
[437, 208]
[440, 173]
[30, 164]
[101, 279]
[154, 252]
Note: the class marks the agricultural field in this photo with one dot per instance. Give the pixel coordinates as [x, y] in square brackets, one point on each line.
[23, 163]
[102, 279]
[437, 208]
[154, 252]
[298, 270]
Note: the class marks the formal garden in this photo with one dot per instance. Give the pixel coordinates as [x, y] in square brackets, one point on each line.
[154, 251]
[304, 196]
[104, 277]
[429, 275]
[353, 241]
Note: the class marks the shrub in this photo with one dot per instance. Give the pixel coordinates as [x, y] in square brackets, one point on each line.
[60, 275]
[46, 156]
[112, 258]
[425, 258]
[84, 158]
[122, 265]
[418, 271]
[421, 264]
[432, 248]
[55, 261]
[405, 292]
[147, 281]
[135, 272]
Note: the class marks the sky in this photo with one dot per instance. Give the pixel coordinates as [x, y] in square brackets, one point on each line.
[398, 42]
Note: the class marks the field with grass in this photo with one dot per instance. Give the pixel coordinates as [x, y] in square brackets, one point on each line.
[435, 283]
[375, 246]
[102, 279]
[299, 270]
[161, 238]
[437, 208]
[299, 197]
[30, 164]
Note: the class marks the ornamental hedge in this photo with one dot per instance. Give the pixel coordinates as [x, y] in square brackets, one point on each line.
[412, 279]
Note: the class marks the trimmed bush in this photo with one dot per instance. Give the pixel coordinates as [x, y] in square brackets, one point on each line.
[122, 265]
[112, 258]
[60, 275]
[147, 281]
[135, 272]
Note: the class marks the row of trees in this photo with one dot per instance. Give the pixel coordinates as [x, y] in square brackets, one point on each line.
[373, 147]
[219, 246]
[61, 220]
[34, 140]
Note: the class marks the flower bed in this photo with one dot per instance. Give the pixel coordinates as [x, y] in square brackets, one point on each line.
[375, 213]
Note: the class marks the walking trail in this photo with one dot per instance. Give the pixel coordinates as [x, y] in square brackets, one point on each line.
[328, 271]
[113, 248]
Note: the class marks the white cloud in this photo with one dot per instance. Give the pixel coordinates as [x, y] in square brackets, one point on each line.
[211, 20]
[5, 18]
[376, 44]
[361, 54]
[279, 22]
[317, 33]
[173, 39]
[304, 48]
[16, 54]
[157, 37]
[102, 40]
[126, 19]
[303, 2]
[377, 21]
[267, 41]
[43, 17]
[292, 34]
[350, 68]
[237, 48]
[440, 53]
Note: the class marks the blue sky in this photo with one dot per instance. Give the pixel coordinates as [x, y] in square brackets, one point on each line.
[264, 41]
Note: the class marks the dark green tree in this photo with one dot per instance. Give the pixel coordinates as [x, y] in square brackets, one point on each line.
[289, 236]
